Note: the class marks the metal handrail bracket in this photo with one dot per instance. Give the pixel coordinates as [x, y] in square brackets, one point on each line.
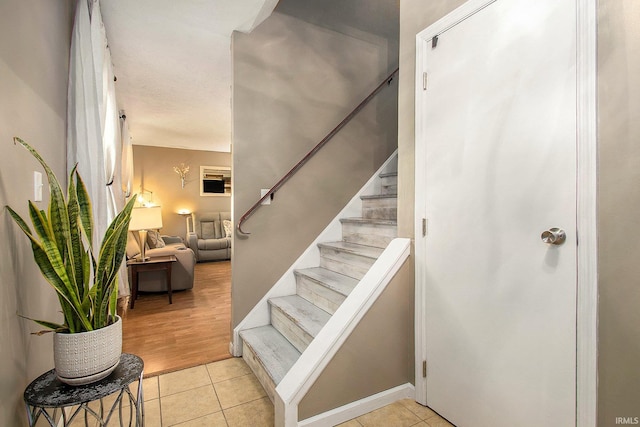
[269, 194]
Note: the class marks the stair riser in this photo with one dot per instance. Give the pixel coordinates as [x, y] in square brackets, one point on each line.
[323, 297]
[351, 265]
[376, 235]
[253, 361]
[289, 329]
[386, 208]
[389, 185]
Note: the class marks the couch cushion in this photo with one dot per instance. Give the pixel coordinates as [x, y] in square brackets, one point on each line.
[212, 244]
[169, 249]
[217, 227]
[207, 230]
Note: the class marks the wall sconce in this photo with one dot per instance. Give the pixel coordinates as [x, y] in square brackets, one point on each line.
[182, 171]
[145, 198]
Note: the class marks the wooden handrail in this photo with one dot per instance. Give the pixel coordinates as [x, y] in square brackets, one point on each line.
[313, 151]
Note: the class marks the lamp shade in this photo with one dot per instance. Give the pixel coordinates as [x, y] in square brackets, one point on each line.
[146, 218]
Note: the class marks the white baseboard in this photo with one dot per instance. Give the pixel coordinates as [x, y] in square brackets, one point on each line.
[360, 407]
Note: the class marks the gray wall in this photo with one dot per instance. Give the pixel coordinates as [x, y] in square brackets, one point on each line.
[618, 210]
[293, 82]
[34, 55]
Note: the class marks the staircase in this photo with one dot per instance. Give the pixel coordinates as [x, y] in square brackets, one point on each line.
[273, 349]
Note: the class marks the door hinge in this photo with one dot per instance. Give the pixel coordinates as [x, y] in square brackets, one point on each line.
[424, 369]
[434, 42]
[424, 227]
[424, 80]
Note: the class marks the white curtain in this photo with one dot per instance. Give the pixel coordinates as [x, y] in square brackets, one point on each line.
[94, 141]
[127, 158]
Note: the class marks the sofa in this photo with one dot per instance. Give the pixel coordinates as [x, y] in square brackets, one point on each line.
[181, 271]
[210, 239]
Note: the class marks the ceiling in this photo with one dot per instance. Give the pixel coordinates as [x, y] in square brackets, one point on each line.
[172, 60]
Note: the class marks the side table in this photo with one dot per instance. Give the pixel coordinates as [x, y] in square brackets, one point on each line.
[46, 395]
[152, 264]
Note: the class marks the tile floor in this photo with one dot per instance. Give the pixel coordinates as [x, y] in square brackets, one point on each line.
[227, 394]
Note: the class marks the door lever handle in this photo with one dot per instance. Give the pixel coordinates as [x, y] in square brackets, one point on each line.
[554, 236]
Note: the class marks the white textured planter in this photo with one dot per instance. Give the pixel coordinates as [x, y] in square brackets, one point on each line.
[87, 357]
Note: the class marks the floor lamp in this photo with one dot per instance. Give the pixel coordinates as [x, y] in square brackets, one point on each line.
[144, 219]
[187, 214]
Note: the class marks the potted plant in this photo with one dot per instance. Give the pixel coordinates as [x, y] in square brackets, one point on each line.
[86, 286]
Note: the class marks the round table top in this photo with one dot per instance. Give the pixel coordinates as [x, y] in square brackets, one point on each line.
[47, 391]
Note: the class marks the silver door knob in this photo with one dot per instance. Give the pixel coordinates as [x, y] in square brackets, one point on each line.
[554, 236]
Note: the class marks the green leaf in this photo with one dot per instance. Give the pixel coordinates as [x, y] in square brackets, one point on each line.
[62, 247]
[76, 265]
[86, 211]
[57, 207]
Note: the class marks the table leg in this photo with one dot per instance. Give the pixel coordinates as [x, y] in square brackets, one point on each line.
[134, 286]
[169, 281]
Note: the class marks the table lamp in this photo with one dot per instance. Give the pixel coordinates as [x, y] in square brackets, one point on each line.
[144, 219]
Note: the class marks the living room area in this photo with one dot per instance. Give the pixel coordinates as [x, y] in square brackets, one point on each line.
[194, 328]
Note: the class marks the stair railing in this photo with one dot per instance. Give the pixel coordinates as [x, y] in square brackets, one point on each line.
[269, 194]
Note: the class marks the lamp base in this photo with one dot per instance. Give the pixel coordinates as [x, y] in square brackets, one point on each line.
[142, 234]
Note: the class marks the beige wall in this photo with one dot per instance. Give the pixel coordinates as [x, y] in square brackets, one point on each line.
[618, 210]
[415, 16]
[34, 55]
[293, 82]
[153, 170]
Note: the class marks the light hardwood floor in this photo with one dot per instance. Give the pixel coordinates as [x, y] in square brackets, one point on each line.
[192, 331]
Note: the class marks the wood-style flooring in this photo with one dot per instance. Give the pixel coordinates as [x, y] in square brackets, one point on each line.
[194, 330]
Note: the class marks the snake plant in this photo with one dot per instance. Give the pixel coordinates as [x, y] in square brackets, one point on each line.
[87, 288]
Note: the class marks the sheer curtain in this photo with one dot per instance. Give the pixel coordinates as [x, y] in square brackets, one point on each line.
[93, 137]
[127, 158]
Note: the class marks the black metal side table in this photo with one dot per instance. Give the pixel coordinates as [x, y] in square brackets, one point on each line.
[46, 395]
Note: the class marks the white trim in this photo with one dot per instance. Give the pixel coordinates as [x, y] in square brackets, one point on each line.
[423, 40]
[420, 244]
[587, 251]
[359, 407]
[335, 332]
[587, 256]
[286, 285]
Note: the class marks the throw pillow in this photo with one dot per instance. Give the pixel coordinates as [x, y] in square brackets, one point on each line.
[154, 240]
[227, 227]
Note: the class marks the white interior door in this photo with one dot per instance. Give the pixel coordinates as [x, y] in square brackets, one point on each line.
[496, 151]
